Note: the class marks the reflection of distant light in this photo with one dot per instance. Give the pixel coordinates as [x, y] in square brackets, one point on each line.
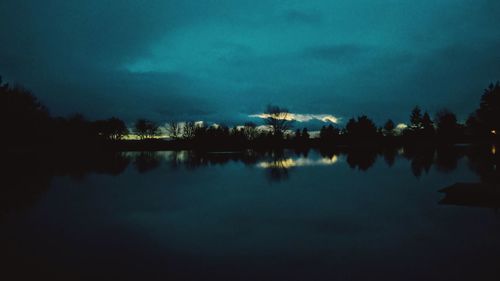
[285, 163]
[493, 150]
[330, 161]
[299, 162]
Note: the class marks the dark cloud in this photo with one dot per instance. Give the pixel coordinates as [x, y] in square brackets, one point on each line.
[223, 60]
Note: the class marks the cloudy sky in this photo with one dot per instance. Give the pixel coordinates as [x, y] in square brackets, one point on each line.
[222, 61]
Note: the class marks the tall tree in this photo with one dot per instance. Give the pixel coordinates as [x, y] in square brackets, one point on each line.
[298, 135]
[279, 119]
[174, 129]
[389, 127]
[22, 116]
[362, 127]
[488, 113]
[112, 128]
[447, 125]
[305, 134]
[416, 119]
[146, 129]
[250, 131]
[328, 133]
[118, 128]
[474, 127]
[427, 125]
[188, 132]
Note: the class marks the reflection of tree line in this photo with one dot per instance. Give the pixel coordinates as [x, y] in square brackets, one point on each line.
[422, 158]
[482, 159]
[485, 193]
[27, 176]
[24, 180]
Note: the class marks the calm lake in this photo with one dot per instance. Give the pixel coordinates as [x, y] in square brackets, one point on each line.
[345, 214]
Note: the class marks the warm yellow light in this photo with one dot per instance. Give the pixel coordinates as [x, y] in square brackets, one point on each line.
[299, 117]
[282, 163]
[493, 150]
[137, 137]
[298, 162]
[329, 161]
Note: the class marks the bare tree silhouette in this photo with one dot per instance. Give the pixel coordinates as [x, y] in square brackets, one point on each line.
[174, 130]
[146, 129]
[188, 132]
[250, 131]
[279, 119]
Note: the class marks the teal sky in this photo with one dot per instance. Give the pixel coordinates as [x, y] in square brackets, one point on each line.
[220, 61]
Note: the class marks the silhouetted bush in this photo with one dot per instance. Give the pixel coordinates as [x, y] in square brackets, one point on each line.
[112, 128]
[23, 118]
[361, 128]
[447, 125]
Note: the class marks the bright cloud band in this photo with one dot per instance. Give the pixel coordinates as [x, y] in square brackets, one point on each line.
[302, 117]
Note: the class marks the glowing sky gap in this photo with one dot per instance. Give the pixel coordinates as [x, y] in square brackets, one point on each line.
[327, 118]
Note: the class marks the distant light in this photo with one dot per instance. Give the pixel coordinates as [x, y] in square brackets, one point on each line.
[401, 126]
[329, 160]
[493, 150]
[137, 137]
[282, 163]
[494, 132]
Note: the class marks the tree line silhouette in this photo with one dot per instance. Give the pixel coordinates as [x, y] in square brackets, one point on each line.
[27, 122]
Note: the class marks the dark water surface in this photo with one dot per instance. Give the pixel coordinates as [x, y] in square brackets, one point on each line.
[348, 214]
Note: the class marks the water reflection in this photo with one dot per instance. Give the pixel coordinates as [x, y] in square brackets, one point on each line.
[301, 161]
[362, 159]
[390, 154]
[421, 159]
[26, 176]
[146, 161]
[22, 190]
[483, 161]
[24, 180]
[330, 211]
